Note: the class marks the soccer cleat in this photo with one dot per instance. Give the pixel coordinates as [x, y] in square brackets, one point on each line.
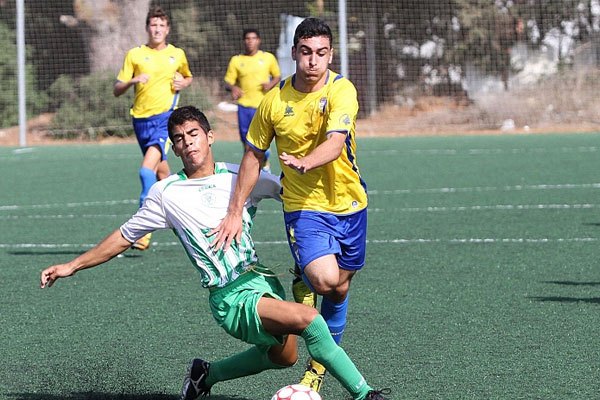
[142, 243]
[377, 394]
[302, 293]
[314, 375]
[194, 384]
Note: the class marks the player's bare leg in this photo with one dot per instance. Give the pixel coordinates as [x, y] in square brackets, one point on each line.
[163, 170]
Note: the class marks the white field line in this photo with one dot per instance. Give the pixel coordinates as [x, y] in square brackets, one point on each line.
[443, 190]
[493, 207]
[476, 151]
[64, 216]
[442, 151]
[67, 205]
[475, 189]
[371, 241]
[434, 209]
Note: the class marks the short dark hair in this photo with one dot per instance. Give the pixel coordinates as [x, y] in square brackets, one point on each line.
[156, 12]
[312, 27]
[184, 114]
[250, 30]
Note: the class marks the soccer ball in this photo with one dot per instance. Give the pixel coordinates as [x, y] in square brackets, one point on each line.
[296, 392]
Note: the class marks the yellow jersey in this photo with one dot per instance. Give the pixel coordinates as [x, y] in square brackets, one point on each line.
[157, 95]
[250, 72]
[300, 122]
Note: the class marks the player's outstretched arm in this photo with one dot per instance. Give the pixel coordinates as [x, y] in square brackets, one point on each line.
[230, 227]
[111, 246]
[324, 153]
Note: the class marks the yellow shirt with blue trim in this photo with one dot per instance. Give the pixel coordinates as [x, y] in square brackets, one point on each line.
[299, 122]
[249, 73]
[157, 95]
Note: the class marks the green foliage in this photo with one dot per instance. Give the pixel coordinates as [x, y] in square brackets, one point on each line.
[197, 33]
[35, 101]
[85, 107]
[197, 94]
[488, 34]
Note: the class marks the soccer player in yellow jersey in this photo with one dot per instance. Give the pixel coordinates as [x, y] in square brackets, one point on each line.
[249, 76]
[158, 71]
[311, 115]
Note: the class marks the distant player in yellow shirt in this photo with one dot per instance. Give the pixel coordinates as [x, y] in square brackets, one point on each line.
[311, 116]
[249, 76]
[158, 71]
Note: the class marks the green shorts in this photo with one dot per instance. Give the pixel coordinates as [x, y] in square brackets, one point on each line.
[234, 306]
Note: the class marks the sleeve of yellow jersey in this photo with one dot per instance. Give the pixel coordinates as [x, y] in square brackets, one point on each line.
[184, 68]
[274, 68]
[231, 74]
[126, 72]
[261, 132]
[343, 106]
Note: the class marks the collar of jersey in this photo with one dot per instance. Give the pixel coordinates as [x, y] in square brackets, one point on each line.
[220, 168]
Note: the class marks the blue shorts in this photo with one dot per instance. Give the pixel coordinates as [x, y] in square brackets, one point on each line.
[153, 131]
[245, 115]
[313, 234]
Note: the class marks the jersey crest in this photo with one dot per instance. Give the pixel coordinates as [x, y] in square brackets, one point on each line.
[289, 111]
[323, 104]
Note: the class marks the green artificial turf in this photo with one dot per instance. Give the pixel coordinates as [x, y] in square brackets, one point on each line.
[481, 280]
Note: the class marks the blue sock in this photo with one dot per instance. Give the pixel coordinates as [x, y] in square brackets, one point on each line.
[335, 316]
[148, 178]
[267, 154]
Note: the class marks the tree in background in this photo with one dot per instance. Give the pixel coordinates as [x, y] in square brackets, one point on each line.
[43, 21]
[419, 47]
[36, 100]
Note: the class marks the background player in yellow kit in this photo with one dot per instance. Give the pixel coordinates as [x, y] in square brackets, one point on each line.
[158, 71]
[249, 76]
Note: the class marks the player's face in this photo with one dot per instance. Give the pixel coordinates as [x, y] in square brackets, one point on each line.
[312, 56]
[251, 41]
[157, 29]
[192, 144]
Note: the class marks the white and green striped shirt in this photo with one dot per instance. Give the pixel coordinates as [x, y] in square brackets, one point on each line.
[192, 207]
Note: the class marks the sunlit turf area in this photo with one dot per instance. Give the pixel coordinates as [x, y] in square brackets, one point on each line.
[482, 278]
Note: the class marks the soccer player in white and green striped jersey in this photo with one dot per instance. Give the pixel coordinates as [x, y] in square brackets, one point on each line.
[246, 298]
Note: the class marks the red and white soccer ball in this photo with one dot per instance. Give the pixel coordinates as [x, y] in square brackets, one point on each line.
[296, 392]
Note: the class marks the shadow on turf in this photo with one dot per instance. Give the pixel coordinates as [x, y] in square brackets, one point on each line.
[573, 283]
[105, 396]
[561, 299]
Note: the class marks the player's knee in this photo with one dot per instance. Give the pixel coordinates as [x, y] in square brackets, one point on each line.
[324, 285]
[304, 316]
[309, 314]
[339, 294]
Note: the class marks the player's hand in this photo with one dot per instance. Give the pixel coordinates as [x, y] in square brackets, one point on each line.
[236, 92]
[229, 229]
[266, 86]
[142, 78]
[51, 274]
[298, 164]
[178, 81]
